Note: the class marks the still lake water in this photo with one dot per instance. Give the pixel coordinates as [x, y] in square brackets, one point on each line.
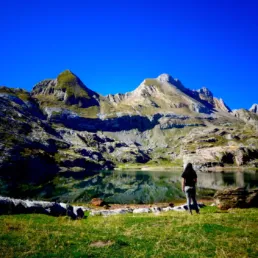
[129, 186]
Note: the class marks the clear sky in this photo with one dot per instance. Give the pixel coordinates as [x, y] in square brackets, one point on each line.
[113, 45]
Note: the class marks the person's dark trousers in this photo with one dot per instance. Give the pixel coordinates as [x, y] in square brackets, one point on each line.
[190, 193]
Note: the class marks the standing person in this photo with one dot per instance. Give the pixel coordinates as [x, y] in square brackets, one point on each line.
[189, 180]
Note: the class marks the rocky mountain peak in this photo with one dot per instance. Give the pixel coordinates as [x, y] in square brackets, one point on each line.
[68, 88]
[220, 105]
[206, 95]
[67, 77]
[205, 91]
[254, 108]
[165, 78]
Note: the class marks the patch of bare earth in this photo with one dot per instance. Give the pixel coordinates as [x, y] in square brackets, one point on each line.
[102, 243]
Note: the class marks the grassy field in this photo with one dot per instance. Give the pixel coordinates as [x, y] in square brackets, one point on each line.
[213, 233]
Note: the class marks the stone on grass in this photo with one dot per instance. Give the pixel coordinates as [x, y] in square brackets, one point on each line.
[142, 210]
[236, 198]
[17, 206]
[97, 202]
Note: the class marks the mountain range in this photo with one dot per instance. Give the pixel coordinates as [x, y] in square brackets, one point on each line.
[63, 129]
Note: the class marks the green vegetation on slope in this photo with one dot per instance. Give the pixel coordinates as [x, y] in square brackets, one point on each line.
[170, 234]
[20, 93]
[68, 82]
[152, 82]
[50, 101]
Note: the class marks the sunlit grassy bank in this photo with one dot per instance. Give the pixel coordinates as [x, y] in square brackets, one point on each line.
[170, 234]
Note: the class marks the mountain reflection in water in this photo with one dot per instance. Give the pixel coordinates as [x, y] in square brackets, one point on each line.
[151, 186]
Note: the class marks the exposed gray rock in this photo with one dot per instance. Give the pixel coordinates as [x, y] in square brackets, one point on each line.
[117, 98]
[184, 207]
[110, 212]
[67, 88]
[236, 198]
[220, 105]
[218, 156]
[12, 98]
[165, 78]
[206, 94]
[142, 210]
[254, 108]
[246, 116]
[17, 206]
[167, 208]
[155, 209]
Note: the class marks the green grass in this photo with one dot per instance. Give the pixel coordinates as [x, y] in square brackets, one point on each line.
[166, 163]
[169, 234]
[152, 164]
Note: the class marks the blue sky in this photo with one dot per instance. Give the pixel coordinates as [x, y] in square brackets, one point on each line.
[113, 45]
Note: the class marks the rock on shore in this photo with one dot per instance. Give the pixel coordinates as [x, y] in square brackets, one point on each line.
[17, 206]
[236, 198]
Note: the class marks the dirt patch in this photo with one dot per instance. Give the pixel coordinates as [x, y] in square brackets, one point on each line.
[102, 243]
[13, 227]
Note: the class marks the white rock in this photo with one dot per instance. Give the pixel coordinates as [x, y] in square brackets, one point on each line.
[167, 208]
[155, 209]
[142, 210]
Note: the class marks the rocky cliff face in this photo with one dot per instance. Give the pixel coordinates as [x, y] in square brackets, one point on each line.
[219, 104]
[254, 108]
[63, 129]
[247, 116]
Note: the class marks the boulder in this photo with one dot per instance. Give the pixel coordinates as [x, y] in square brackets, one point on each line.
[236, 198]
[142, 210]
[97, 202]
[155, 209]
[167, 208]
[110, 212]
[17, 206]
[185, 208]
[252, 198]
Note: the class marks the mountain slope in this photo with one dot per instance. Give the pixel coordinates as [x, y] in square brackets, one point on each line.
[67, 91]
[165, 94]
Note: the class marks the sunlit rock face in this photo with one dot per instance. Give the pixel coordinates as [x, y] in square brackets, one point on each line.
[254, 108]
[219, 104]
[165, 78]
[66, 88]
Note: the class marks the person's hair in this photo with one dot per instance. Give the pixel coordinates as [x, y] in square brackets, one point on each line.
[189, 169]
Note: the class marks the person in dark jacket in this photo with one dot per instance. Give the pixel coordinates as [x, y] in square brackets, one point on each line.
[189, 180]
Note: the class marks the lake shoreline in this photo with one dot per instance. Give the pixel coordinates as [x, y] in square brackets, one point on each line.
[171, 168]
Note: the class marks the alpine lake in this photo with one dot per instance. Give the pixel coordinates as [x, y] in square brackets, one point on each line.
[141, 187]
